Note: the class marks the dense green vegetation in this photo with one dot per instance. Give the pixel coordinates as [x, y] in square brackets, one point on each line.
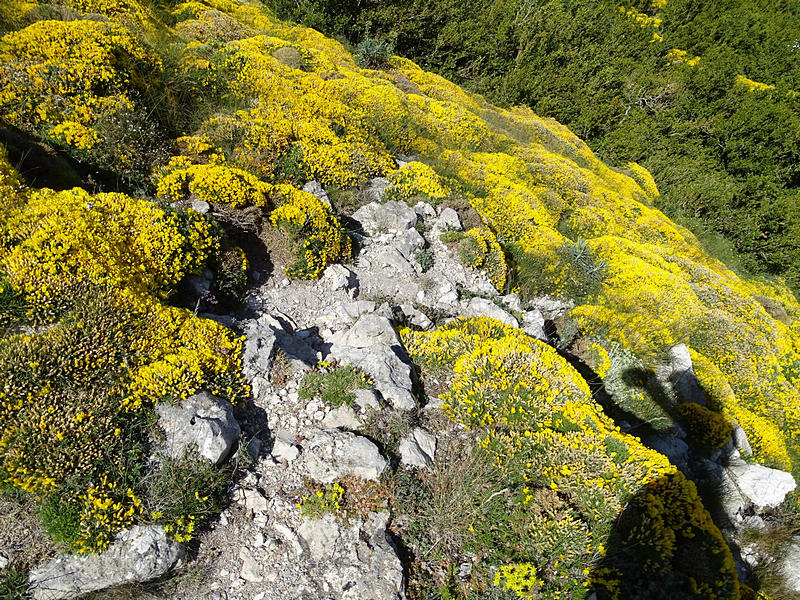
[726, 157]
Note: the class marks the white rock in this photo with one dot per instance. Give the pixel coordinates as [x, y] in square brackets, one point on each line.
[338, 277]
[284, 447]
[3, 561]
[343, 417]
[424, 210]
[393, 217]
[376, 189]
[533, 324]
[448, 220]
[790, 567]
[367, 399]
[677, 374]
[764, 487]
[418, 449]
[333, 454]
[202, 421]
[200, 206]
[512, 301]
[250, 571]
[408, 242]
[481, 307]
[139, 554]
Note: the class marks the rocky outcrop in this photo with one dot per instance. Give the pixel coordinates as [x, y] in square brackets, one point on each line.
[393, 217]
[202, 421]
[677, 375]
[373, 346]
[755, 484]
[333, 454]
[140, 554]
[481, 307]
[355, 562]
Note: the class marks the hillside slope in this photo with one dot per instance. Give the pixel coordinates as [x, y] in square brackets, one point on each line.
[210, 117]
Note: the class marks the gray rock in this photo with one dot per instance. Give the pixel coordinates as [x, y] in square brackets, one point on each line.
[264, 336]
[376, 190]
[355, 561]
[408, 242]
[315, 188]
[202, 421]
[332, 454]
[139, 554]
[250, 571]
[790, 567]
[284, 448]
[416, 317]
[764, 487]
[448, 220]
[549, 307]
[677, 374]
[418, 449]
[424, 210]
[740, 441]
[338, 277]
[367, 399]
[512, 301]
[481, 307]
[342, 417]
[392, 217]
[373, 346]
[200, 206]
[675, 449]
[533, 324]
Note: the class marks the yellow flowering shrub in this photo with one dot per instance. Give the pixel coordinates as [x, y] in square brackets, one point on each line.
[705, 426]
[570, 472]
[212, 183]
[316, 234]
[415, 179]
[62, 79]
[95, 269]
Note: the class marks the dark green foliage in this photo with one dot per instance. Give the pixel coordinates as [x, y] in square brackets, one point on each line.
[13, 584]
[424, 258]
[727, 160]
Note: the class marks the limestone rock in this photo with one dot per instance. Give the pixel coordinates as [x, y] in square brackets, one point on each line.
[764, 487]
[533, 324]
[448, 220]
[332, 454]
[338, 277]
[373, 346]
[376, 189]
[355, 562]
[408, 242]
[677, 374]
[342, 417]
[284, 448]
[675, 449]
[418, 449]
[481, 307]
[139, 554]
[790, 567]
[392, 217]
[424, 210]
[202, 421]
[200, 206]
[512, 301]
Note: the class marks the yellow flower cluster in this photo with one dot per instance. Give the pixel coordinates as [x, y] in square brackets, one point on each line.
[415, 179]
[212, 183]
[60, 77]
[317, 235]
[325, 500]
[546, 435]
[106, 511]
[640, 18]
[677, 55]
[520, 579]
[753, 85]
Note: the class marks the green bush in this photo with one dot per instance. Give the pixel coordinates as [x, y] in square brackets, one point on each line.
[334, 385]
[373, 53]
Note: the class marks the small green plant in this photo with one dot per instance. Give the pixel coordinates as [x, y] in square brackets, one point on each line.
[333, 384]
[61, 518]
[424, 258]
[322, 501]
[13, 584]
[372, 53]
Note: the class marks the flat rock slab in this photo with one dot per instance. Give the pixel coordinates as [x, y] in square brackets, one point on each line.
[764, 487]
[140, 554]
[333, 454]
